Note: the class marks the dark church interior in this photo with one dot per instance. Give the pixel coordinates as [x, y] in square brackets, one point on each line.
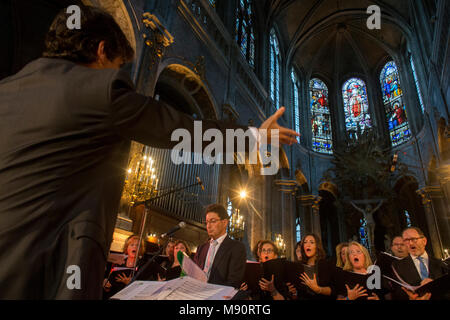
[371, 103]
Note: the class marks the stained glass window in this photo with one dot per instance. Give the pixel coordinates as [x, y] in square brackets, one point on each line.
[363, 229]
[295, 103]
[245, 36]
[212, 3]
[356, 106]
[394, 105]
[275, 63]
[416, 81]
[229, 207]
[298, 233]
[322, 140]
[408, 219]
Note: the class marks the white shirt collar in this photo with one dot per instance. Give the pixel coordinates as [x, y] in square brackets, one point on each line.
[424, 256]
[221, 238]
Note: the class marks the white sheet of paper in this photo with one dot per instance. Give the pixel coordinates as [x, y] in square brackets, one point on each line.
[185, 288]
[192, 289]
[140, 290]
[193, 270]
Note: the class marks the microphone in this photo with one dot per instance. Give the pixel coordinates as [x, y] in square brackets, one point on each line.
[200, 183]
[179, 226]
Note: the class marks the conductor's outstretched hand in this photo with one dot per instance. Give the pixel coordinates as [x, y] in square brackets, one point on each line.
[286, 136]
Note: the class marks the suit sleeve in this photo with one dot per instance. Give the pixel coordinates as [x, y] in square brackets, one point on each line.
[148, 121]
[197, 255]
[236, 269]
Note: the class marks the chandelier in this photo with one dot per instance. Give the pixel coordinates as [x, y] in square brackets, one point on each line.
[141, 182]
[281, 245]
[237, 225]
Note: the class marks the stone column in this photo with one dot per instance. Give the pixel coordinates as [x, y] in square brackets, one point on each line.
[287, 188]
[316, 215]
[310, 204]
[429, 194]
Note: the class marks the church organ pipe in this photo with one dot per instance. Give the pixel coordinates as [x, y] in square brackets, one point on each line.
[180, 195]
[162, 156]
[171, 183]
[197, 173]
[170, 175]
[184, 181]
[167, 172]
[190, 174]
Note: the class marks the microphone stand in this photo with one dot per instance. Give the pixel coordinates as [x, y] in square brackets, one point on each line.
[147, 203]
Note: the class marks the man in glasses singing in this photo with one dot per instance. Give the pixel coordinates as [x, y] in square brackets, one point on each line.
[418, 267]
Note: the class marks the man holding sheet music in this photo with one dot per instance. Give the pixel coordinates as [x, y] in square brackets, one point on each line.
[222, 258]
[418, 268]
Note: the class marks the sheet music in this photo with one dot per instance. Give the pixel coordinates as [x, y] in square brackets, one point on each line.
[185, 288]
[120, 269]
[193, 270]
[390, 255]
[407, 286]
[139, 290]
[193, 289]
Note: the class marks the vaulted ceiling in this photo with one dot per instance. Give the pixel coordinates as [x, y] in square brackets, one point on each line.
[331, 37]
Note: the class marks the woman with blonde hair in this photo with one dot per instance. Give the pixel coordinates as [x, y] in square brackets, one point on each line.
[357, 261]
[120, 280]
[341, 254]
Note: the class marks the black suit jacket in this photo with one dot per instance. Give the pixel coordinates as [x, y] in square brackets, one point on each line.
[406, 269]
[229, 262]
[65, 133]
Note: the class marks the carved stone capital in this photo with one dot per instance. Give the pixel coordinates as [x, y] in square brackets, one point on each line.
[287, 186]
[156, 36]
[310, 200]
[316, 202]
[429, 193]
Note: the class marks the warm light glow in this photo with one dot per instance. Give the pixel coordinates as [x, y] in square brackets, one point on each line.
[243, 194]
[129, 170]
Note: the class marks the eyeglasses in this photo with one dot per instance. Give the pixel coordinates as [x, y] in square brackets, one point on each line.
[267, 250]
[212, 221]
[355, 252]
[398, 244]
[412, 239]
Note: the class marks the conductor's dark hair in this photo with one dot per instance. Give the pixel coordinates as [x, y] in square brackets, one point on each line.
[80, 45]
[219, 209]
